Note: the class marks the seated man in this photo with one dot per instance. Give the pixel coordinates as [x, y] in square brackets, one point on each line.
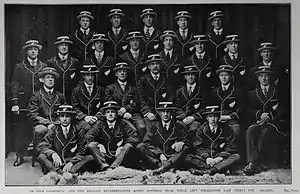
[165, 143]
[264, 110]
[111, 140]
[44, 103]
[125, 94]
[189, 100]
[63, 147]
[87, 98]
[214, 148]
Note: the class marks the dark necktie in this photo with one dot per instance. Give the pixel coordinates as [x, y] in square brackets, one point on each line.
[84, 34]
[165, 127]
[265, 91]
[123, 87]
[168, 56]
[147, 34]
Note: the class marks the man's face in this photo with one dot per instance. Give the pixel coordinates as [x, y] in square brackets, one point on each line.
[63, 48]
[190, 78]
[134, 44]
[182, 23]
[266, 55]
[89, 78]
[165, 115]
[217, 23]
[99, 45]
[212, 119]
[199, 46]
[110, 115]
[32, 52]
[233, 47]
[115, 21]
[224, 78]
[168, 43]
[154, 67]
[264, 79]
[48, 81]
[121, 74]
[148, 20]
[85, 22]
[65, 119]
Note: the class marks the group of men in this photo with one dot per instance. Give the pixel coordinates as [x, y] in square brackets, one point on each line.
[171, 100]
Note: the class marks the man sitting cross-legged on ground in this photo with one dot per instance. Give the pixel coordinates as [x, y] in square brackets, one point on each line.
[63, 147]
[165, 143]
[111, 140]
[214, 149]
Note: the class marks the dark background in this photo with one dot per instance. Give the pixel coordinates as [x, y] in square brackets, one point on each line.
[253, 22]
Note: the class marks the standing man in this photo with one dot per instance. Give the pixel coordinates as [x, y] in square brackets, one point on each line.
[150, 32]
[165, 143]
[202, 60]
[24, 83]
[63, 147]
[125, 94]
[265, 109]
[153, 88]
[190, 101]
[43, 105]
[183, 33]
[66, 66]
[171, 59]
[214, 148]
[87, 98]
[216, 35]
[111, 140]
[82, 47]
[134, 57]
[103, 62]
[116, 33]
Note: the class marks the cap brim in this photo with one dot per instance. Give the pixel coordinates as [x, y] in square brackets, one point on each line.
[184, 16]
[258, 72]
[69, 112]
[119, 14]
[42, 74]
[137, 37]
[165, 35]
[217, 16]
[88, 16]
[168, 108]
[152, 60]
[110, 107]
[215, 112]
[189, 72]
[117, 68]
[65, 41]
[227, 41]
[86, 72]
[40, 47]
[196, 41]
[268, 47]
[152, 13]
[223, 70]
[102, 39]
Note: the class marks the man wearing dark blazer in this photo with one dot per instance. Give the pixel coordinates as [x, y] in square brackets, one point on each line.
[63, 149]
[25, 82]
[88, 98]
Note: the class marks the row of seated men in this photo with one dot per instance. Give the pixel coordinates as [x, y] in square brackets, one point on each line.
[87, 98]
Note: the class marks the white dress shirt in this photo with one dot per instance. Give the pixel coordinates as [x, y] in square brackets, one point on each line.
[200, 55]
[66, 130]
[116, 30]
[218, 32]
[151, 30]
[213, 129]
[134, 53]
[233, 55]
[99, 55]
[111, 125]
[267, 64]
[191, 88]
[155, 75]
[225, 87]
[32, 62]
[86, 32]
[167, 125]
[49, 90]
[89, 86]
[62, 57]
[170, 52]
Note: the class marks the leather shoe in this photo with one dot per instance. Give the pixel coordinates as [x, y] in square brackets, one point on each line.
[250, 169]
[164, 168]
[19, 161]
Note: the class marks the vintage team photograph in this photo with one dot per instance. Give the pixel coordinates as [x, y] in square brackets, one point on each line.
[146, 94]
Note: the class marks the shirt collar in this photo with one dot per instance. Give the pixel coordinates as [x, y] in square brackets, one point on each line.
[30, 60]
[86, 85]
[62, 57]
[170, 51]
[231, 55]
[267, 87]
[153, 75]
[213, 128]
[122, 83]
[87, 30]
[193, 86]
[98, 54]
[218, 31]
[151, 29]
[135, 52]
[111, 124]
[167, 124]
[200, 55]
[183, 30]
[48, 90]
[267, 64]
[68, 127]
[118, 29]
[225, 86]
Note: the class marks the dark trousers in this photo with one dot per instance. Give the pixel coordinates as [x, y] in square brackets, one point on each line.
[22, 133]
[47, 164]
[192, 130]
[103, 160]
[139, 123]
[197, 162]
[151, 155]
[262, 145]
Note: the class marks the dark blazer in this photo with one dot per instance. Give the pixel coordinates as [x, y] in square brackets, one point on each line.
[209, 145]
[82, 46]
[127, 99]
[42, 107]
[190, 105]
[70, 149]
[151, 92]
[215, 46]
[161, 140]
[106, 75]
[183, 46]
[117, 44]
[25, 82]
[86, 105]
[69, 75]
[138, 68]
[122, 134]
[153, 45]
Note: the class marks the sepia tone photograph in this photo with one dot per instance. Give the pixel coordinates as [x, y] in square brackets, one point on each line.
[147, 94]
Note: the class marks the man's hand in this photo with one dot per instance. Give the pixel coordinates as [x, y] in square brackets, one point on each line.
[68, 167]
[225, 118]
[162, 158]
[102, 148]
[151, 116]
[210, 162]
[15, 109]
[121, 111]
[50, 126]
[56, 160]
[208, 74]
[88, 119]
[188, 120]
[217, 160]
[119, 149]
[243, 72]
[94, 119]
[127, 115]
[177, 146]
[264, 117]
